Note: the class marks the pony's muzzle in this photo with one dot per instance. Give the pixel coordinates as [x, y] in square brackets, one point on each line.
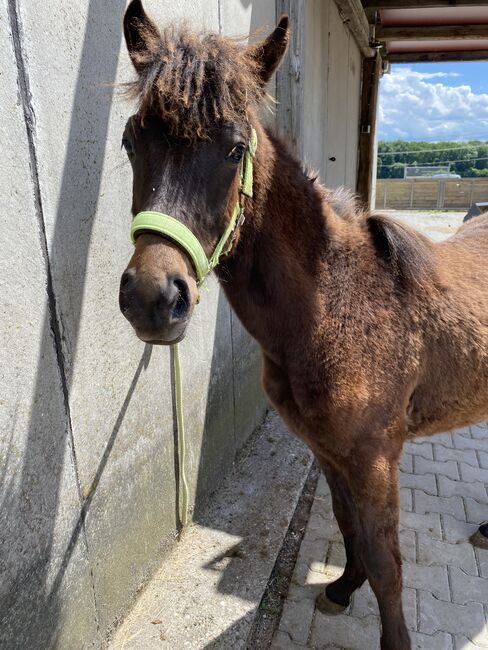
[157, 309]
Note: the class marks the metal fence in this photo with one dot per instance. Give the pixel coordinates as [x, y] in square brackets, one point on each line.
[430, 194]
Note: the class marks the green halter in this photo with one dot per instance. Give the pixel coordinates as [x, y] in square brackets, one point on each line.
[183, 236]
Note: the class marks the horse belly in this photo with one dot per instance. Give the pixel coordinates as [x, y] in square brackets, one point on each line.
[444, 403]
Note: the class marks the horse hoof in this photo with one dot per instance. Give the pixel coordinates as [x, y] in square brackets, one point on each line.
[480, 537]
[327, 606]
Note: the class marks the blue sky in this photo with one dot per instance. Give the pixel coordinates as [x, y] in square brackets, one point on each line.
[434, 102]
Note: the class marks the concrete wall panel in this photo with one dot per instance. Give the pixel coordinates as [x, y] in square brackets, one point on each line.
[40, 589]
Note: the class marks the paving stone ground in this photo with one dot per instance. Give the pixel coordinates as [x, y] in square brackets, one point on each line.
[444, 483]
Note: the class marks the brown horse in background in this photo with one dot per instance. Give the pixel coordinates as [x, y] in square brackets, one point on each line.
[370, 332]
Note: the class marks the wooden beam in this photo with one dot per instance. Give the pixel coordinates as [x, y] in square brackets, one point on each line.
[418, 4]
[371, 73]
[289, 77]
[352, 13]
[431, 33]
[437, 57]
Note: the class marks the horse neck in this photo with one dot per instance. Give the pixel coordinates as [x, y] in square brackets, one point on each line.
[269, 276]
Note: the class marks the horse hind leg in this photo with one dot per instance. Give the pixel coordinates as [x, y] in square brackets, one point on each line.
[337, 595]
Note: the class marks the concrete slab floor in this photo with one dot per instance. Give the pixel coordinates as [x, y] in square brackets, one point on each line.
[206, 592]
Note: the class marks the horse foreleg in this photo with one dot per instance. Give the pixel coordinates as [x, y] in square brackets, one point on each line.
[277, 387]
[374, 485]
[337, 595]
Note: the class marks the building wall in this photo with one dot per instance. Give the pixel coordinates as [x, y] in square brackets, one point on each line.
[87, 450]
[331, 94]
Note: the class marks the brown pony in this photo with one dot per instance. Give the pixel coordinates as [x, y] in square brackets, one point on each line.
[370, 332]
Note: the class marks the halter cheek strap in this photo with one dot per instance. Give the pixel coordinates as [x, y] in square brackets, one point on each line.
[173, 229]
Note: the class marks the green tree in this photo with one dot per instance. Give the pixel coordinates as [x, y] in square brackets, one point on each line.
[468, 159]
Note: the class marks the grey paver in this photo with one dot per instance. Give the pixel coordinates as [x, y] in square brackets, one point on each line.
[437, 641]
[443, 439]
[283, 641]
[297, 592]
[471, 474]
[479, 431]
[419, 449]
[466, 588]
[322, 488]
[483, 456]
[462, 442]
[446, 467]
[448, 488]
[482, 557]
[462, 643]
[429, 523]
[463, 456]
[408, 545]
[436, 615]
[465, 431]
[321, 530]
[406, 463]
[433, 551]
[476, 512]
[430, 578]
[448, 505]
[406, 502]
[296, 619]
[337, 557]
[365, 604]
[345, 631]
[456, 531]
[425, 482]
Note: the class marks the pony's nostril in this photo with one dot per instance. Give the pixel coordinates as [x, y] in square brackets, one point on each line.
[127, 276]
[182, 303]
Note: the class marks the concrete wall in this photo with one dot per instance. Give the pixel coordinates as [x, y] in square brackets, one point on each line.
[88, 494]
[430, 194]
[332, 86]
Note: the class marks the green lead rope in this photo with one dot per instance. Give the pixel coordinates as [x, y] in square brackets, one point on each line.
[180, 421]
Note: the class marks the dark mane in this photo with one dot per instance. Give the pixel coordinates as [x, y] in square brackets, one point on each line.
[194, 81]
[409, 254]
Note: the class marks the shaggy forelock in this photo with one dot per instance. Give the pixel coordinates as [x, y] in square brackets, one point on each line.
[194, 81]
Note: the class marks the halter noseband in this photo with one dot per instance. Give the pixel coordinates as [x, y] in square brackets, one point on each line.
[183, 236]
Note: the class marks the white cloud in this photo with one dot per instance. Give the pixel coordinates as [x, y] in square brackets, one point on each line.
[413, 107]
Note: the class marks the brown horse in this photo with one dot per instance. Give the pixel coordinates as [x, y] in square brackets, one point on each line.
[370, 333]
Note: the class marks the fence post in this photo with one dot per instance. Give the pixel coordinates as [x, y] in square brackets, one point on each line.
[441, 195]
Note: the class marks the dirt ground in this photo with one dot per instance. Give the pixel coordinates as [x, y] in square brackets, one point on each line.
[437, 224]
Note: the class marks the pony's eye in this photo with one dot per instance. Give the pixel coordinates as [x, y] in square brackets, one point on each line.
[127, 146]
[237, 152]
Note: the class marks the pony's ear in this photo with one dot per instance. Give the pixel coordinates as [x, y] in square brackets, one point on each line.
[269, 53]
[141, 35]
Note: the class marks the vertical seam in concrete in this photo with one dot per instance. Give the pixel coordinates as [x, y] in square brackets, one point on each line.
[30, 121]
[234, 426]
[220, 17]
